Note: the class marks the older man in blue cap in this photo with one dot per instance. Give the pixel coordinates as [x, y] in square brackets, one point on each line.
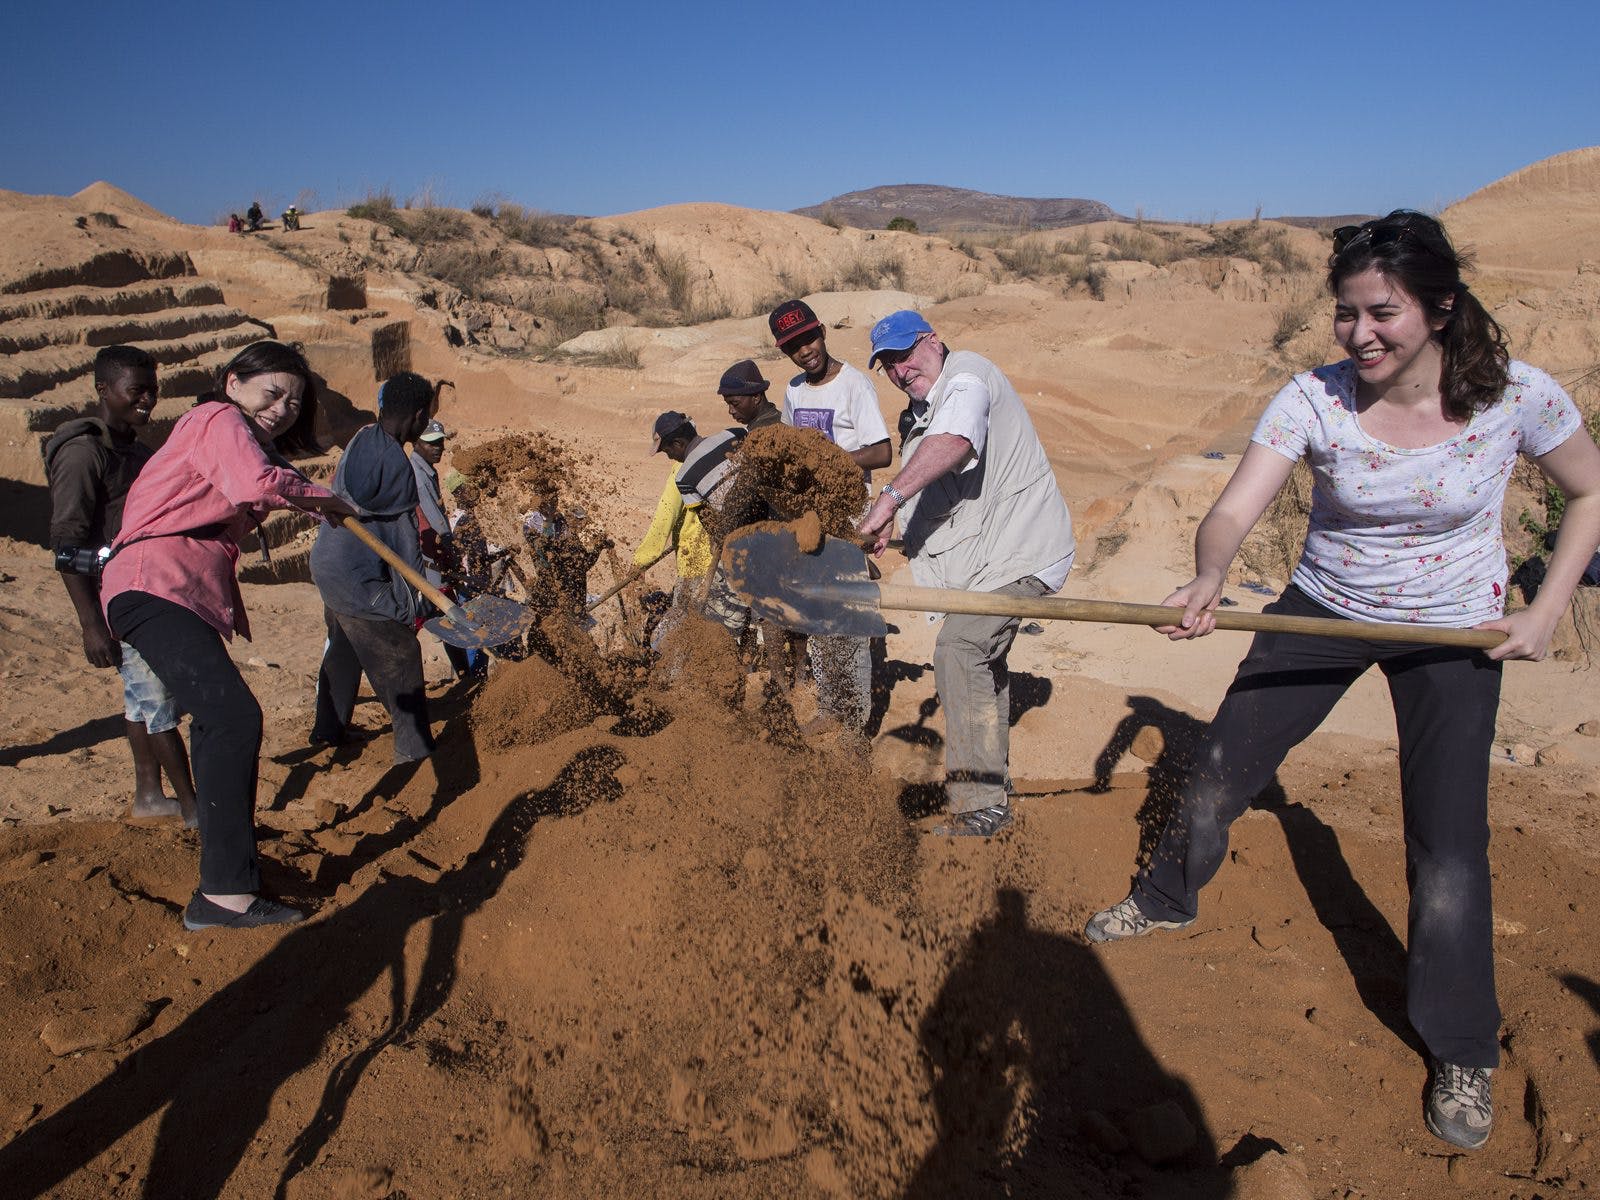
[978, 506]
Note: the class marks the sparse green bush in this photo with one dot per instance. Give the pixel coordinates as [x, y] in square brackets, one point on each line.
[1292, 319]
[1030, 258]
[564, 315]
[377, 206]
[677, 275]
[831, 219]
[1256, 243]
[617, 354]
[529, 226]
[431, 224]
[901, 225]
[967, 248]
[868, 274]
[461, 266]
[1141, 245]
[1090, 274]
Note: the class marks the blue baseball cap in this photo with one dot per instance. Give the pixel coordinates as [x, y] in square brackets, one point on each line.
[897, 331]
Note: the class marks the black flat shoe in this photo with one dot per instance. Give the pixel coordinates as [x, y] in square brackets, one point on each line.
[201, 913]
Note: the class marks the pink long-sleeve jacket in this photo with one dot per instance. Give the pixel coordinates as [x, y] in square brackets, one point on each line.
[203, 490]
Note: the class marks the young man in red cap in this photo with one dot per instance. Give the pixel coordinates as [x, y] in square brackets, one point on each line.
[840, 402]
[828, 395]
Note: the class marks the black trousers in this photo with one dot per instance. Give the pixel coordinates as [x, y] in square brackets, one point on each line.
[388, 653]
[1445, 701]
[189, 657]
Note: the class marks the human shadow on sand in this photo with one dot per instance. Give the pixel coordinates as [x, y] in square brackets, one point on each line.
[1371, 949]
[93, 732]
[216, 1074]
[1589, 990]
[1042, 1085]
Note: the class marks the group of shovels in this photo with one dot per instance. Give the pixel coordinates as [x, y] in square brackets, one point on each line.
[830, 592]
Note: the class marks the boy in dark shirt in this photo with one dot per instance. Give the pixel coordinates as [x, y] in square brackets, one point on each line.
[91, 463]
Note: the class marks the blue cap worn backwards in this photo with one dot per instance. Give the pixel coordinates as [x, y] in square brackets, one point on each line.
[897, 331]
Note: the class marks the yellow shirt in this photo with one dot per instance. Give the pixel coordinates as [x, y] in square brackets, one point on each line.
[675, 523]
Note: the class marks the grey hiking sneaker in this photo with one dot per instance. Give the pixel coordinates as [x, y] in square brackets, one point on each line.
[982, 822]
[1125, 920]
[1460, 1108]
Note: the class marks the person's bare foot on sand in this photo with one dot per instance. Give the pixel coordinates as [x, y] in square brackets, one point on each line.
[155, 808]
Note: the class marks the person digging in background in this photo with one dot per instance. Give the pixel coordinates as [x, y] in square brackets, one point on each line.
[435, 538]
[838, 401]
[170, 590]
[704, 479]
[371, 612]
[91, 463]
[744, 390]
[1411, 440]
[979, 509]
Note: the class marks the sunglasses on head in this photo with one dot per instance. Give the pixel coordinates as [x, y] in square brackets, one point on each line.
[1375, 232]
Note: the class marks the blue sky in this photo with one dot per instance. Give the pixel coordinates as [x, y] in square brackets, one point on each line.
[1186, 111]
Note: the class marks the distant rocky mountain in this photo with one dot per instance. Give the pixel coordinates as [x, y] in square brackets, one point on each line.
[950, 210]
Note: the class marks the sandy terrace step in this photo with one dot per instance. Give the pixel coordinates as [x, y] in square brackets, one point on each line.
[37, 333]
[107, 269]
[34, 373]
[151, 295]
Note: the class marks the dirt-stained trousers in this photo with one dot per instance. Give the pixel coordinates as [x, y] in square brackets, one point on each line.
[969, 670]
[1445, 701]
[388, 652]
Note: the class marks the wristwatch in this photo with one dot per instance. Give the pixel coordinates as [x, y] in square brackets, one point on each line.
[899, 500]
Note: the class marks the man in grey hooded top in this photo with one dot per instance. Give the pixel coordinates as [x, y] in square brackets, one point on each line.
[371, 612]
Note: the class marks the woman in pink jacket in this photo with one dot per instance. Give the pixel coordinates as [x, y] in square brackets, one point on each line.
[169, 589]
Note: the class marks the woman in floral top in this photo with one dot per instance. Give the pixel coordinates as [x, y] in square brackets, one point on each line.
[1411, 441]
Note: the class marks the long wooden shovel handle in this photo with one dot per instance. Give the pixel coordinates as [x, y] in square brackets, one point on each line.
[407, 572]
[627, 579]
[1060, 608]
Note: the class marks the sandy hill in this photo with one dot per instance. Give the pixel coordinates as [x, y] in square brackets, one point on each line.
[936, 208]
[1541, 221]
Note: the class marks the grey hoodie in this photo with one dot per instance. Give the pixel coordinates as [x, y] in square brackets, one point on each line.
[374, 475]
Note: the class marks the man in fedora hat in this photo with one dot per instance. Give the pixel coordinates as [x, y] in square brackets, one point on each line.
[744, 391]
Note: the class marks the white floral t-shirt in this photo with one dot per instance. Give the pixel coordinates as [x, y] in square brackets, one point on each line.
[1410, 535]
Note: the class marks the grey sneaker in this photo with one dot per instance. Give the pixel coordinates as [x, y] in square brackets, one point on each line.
[1460, 1108]
[982, 822]
[1125, 920]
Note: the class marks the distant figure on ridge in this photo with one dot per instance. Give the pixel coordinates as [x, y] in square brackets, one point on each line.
[254, 216]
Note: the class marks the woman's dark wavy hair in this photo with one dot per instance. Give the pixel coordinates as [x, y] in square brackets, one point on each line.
[1411, 249]
[267, 358]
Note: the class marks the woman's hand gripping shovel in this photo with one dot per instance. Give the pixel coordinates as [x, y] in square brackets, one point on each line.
[830, 593]
[482, 623]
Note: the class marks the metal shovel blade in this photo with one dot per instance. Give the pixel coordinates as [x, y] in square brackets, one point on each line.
[827, 593]
[481, 623]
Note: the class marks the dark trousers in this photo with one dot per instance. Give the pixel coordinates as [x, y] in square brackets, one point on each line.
[388, 653]
[1445, 700]
[189, 657]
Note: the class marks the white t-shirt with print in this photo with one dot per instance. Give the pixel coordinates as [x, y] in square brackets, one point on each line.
[845, 409]
[1410, 535]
